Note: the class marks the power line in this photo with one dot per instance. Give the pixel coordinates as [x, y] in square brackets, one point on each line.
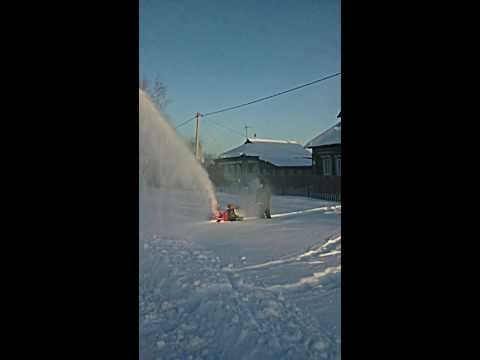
[185, 122]
[210, 137]
[258, 100]
[227, 128]
[270, 96]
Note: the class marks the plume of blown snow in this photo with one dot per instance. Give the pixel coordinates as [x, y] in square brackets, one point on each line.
[166, 168]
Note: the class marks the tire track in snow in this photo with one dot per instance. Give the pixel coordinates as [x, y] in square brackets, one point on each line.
[301, 212]
[294, 259]
[321, 248]
[307, 281]
[190, 307]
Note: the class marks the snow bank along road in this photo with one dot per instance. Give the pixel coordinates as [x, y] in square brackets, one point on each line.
[261, 289]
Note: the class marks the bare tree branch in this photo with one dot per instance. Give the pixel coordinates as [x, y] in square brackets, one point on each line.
[158, 92]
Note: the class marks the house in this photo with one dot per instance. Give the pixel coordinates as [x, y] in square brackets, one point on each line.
[327, 162]
[327, 151]
[274, 160]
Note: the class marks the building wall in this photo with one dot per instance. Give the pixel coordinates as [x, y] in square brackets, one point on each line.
[306, 185]
[331, 152]
[244, 169]
[234, 174]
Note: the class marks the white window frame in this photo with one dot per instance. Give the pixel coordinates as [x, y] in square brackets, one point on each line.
[327, 166]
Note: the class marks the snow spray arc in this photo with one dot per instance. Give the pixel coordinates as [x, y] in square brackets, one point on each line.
[164, 159]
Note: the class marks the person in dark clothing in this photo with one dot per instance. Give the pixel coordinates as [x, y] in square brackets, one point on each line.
[263, 199]
[232, 213]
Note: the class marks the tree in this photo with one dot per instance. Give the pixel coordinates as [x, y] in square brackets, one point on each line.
[206, 159]
[143, 84]
[157, 92]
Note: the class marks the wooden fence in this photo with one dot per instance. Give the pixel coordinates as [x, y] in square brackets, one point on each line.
[315, 186]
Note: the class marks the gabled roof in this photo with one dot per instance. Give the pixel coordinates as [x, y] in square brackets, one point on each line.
[331, 136]
[276, 152]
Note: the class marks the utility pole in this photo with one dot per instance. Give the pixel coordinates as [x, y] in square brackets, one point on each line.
[197, 138]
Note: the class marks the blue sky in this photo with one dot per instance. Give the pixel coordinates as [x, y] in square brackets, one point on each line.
[214, 54]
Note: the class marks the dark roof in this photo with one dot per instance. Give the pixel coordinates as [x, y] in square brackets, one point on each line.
[331, 136]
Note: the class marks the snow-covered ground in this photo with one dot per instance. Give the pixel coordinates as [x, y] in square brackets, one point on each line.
[258, 289]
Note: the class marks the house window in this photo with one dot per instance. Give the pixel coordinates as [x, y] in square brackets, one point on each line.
[339, 166]
[327, 166]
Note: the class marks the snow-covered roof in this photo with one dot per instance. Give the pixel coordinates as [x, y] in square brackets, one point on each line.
[257, 140]
[276, 152]
[331, 136]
